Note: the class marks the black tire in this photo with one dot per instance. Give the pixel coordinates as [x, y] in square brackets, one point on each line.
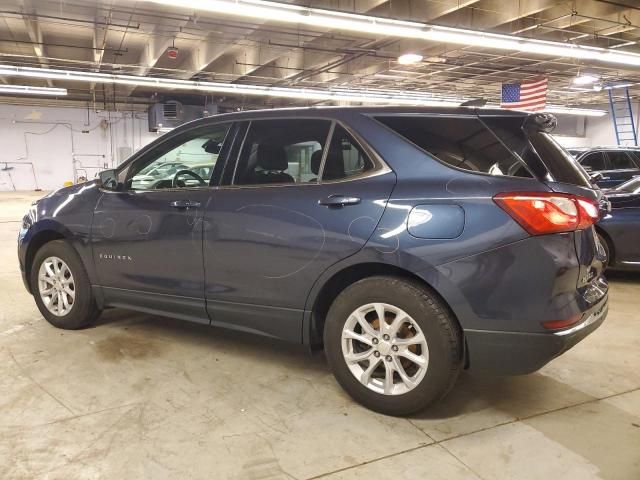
[607, 250]
[441, 329]
[84, 309]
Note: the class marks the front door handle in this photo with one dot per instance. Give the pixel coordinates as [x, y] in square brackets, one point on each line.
[184, 204]
[339, 201]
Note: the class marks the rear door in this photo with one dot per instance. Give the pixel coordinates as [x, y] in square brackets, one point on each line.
[299, 195]
[622, 167]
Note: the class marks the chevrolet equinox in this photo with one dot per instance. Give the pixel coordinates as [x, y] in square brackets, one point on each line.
[409, 243]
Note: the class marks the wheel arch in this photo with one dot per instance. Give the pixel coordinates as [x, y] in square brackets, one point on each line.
[37, 241]
[344, 277]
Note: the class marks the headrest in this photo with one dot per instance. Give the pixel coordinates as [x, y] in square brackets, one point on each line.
[316, 159]
[333, 165]
[271, 157]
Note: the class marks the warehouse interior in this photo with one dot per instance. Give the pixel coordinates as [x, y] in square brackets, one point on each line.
[86, 85]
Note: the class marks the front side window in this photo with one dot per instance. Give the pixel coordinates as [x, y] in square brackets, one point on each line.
[620, 160]
[281, 152]
[185, 161]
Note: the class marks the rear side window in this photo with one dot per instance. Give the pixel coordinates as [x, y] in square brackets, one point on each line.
[281, 151]
[345, 158]
[593, 161]
[462, 142]
[620, 160]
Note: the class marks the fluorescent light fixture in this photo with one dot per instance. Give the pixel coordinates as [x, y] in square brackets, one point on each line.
[377, 96]
[25, 89]
[396, 97]
[409, 58]
[318, 17]
[585, 79]
[586, 112]
[618, 85]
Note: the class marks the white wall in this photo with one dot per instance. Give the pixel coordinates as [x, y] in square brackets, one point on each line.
[599, 130]
[43, 147]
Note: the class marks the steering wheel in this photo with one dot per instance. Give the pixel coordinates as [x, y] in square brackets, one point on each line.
[179, 173]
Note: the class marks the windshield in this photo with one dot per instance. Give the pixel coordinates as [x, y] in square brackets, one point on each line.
[632, 186]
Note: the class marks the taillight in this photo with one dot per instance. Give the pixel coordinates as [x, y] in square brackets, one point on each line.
[540, 213]
[558, 324]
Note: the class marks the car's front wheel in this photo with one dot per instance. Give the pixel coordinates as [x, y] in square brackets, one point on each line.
[61, 287]
[392, 344]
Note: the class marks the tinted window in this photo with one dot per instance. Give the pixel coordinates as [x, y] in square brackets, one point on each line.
[620, 160]
[184, 161]
[544, 156]
[593, 161]
[345, 158]
[281, 151]
[462, 142]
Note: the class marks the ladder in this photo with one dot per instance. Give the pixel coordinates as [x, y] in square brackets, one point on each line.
[622, 116]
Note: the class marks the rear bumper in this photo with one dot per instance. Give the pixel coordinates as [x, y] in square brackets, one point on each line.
[516, 353]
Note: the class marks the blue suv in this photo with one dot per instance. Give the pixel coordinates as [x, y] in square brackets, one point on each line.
[409, 243]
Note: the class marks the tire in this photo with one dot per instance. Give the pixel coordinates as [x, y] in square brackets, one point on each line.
[80, 309]
[607, 250]
[427, 315]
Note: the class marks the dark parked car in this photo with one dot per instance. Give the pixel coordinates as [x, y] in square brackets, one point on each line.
[610, 166]
[619, 230]
[409, 243]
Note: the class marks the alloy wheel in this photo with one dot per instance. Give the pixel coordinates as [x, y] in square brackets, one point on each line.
[56, 286]
[385, 349]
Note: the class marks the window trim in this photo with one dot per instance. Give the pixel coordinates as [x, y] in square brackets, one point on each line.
[380, 167]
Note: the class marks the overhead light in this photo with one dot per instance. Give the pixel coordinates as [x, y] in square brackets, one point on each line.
[585, 79]
[586, 112]
[28, 90]
[394, 97]
[318, 17]
[611, 86]
[409, 58]
[397, 97]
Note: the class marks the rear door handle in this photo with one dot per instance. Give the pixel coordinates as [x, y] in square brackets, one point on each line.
[183, 204]
[339, 201]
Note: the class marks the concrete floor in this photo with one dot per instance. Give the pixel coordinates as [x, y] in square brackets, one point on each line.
[146, 397]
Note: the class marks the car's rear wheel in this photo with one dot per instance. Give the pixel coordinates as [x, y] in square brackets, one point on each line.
[392, 344]
[61, 287]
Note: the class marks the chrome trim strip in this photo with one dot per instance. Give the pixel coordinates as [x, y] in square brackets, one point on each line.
[591, 319]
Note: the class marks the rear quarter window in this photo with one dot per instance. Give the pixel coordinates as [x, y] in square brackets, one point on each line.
[461, 142]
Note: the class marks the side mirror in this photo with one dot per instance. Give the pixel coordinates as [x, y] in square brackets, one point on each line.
[109, 179]
[595, 177]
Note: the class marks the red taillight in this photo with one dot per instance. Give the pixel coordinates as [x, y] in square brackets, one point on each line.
[540, 213]
[558, 324]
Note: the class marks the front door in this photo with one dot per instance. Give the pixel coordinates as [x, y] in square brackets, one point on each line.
[304, 195]
[147, 238]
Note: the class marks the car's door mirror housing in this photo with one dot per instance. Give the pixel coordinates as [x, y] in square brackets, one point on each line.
[595, 177]
[109, 179]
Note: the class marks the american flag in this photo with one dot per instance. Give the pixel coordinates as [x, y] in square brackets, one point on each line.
[528, 95]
